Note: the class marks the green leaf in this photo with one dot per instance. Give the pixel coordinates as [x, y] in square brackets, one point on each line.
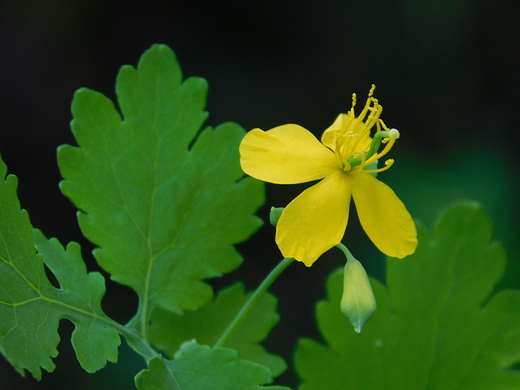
[435, 326]
[163, 201]
[205, 368]
[208, 323]
[31, 307]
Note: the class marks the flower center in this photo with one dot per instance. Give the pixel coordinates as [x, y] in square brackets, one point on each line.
[351, 144]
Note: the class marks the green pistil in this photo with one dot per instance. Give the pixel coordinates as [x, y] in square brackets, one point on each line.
[374, 147]
[376, 142]
[356, 159]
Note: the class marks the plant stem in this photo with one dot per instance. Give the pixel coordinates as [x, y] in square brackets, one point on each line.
[139, 344]
[345, 251]
[251, 302]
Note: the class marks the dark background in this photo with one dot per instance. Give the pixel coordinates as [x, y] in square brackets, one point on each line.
[447, 74]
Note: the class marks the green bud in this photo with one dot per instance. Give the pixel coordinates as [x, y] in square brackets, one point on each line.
[274, 216]
[358, 302]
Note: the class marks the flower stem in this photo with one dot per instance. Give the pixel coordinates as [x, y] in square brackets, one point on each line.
[346, 252]
[252, 301]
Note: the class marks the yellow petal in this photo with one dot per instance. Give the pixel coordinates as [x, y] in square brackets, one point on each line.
[328, 138]
[287, 154]
[315, 221]
[383, 216]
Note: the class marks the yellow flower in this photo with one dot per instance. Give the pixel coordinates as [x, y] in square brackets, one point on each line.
[345, 160]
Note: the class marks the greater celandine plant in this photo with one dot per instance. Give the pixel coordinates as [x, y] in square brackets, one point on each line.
[346, 163]
[164, 201]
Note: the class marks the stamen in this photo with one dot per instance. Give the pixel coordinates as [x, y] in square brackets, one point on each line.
[383, 125]
[388, 164]
[385, 150]
[381, 137]
[356, 129]
[356, 159]
[368, 107]
[354, 101]
[372, 89]
[346, 164]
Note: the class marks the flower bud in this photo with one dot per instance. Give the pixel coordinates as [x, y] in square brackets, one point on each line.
[275, 214]
[358, 302]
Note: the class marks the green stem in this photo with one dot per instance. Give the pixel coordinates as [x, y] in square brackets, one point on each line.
[133, 338]
[346, 252]
[252, 301]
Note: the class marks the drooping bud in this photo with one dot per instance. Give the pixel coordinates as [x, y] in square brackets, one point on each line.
[275, 214]
[358, 302]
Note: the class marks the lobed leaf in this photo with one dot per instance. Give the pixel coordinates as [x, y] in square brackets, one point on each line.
[205, 368]
[164, 203]
[31, 307]
[207, 324]
[435, 326]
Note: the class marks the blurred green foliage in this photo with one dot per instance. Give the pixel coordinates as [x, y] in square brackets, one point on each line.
[427, 186]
